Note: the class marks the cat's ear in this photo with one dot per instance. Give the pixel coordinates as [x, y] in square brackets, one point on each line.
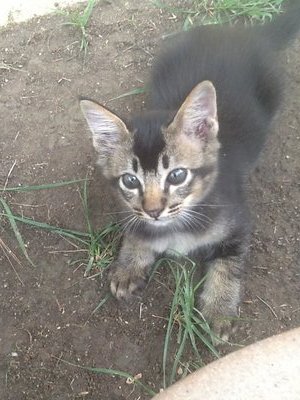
[108, 130]
[197, 117]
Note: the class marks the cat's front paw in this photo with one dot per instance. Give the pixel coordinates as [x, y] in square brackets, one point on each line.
[222, 326]
[126, 282]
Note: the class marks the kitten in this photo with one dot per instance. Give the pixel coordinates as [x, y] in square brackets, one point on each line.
[180, 166]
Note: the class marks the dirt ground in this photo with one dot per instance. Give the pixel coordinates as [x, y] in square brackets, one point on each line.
[45, 313]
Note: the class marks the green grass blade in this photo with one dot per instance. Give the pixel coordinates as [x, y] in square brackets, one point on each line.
[112, 372]
[43, 225]
[170, 328]
[178, 356]
[190, 330]
[102, 302]
[17, 233]
[86, 208]
[111, 228]
[187, 307]
[84, 18]
[41, 187]
[207, 343]
[200, 283]
[188, 23]
[70, 24]
[89, 266]
[132, 92]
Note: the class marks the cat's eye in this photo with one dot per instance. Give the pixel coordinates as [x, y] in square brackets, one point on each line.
[177, 176]
[130, 181]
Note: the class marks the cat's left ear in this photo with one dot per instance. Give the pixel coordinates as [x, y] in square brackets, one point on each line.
[197, 117]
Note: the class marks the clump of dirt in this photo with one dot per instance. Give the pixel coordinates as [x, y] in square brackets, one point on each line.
[46, 312]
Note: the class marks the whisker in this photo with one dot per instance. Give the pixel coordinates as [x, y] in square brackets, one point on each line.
[118, 212]
[186, 221]
[197, 214]
[121, 221]
[195, 218]
[195, 223]
[127, 224]
[135, 225]
[204, 222]
[208, 205]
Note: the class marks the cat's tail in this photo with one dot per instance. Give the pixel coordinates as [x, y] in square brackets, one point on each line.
[283, 29]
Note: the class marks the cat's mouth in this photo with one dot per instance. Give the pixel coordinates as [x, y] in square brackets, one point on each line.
[164, 217]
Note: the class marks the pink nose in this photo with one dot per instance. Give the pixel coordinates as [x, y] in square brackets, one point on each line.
[154, 213]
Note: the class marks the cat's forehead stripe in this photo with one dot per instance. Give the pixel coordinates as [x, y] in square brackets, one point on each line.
[135, 165]
[165, 161]
[148, 143]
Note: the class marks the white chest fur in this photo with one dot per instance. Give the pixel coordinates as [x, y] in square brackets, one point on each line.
[185, 243]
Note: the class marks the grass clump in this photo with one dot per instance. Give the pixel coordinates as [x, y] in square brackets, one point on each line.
[103, 244]
[13, 218]
[101, 248]
[185, 322]
[223, 11]
[100, 245]
[80, 20]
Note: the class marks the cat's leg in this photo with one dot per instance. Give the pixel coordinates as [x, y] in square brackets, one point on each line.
[221, 295]
[129, 273]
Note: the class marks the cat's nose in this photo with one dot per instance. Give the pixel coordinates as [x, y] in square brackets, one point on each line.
[154, 213]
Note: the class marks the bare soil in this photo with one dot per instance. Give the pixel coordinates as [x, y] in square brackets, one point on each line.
[45, 313]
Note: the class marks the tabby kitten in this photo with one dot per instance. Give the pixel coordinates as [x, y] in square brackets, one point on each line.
[180, 166]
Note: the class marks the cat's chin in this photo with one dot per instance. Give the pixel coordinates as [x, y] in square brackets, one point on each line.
[160, 223]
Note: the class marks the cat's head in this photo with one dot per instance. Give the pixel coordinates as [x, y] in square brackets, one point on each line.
[161, 164]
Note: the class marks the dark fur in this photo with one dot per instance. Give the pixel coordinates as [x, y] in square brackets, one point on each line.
[240, 66]
[148, 141]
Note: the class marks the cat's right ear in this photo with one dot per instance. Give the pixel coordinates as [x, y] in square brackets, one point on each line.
[109, 131]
